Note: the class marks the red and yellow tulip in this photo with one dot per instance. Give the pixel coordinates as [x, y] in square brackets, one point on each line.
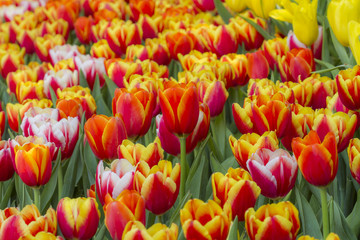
[136, 230]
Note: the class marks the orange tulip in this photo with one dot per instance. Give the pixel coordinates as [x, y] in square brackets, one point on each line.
[104, 134]
[247, 144]
[318, 161]
[258, 66]
[179, 42]
[135, 107]
[33, 164]
[179, 106]
[280, 221]
[138, 7]
[236, 188]
[83, 29]
[158, 185]
[201, 220]
[238, 63]
[70, 107]
[135, 153]
[128, 206]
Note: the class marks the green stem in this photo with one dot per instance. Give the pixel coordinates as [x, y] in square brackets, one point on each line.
[160, 217]
[183, 168]
[37, 196]
[325, 214]
[1, 187]
[60, 181]
[151, 219]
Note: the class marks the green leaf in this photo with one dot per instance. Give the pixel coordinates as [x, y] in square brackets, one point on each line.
[90, 162]
[176, 211]
[53, 96]
[6, 197]
[100, 233]
[309, 223]
[342, 228]
[340, 49]
[82, 79]
[49, 189]
[233, 233]
[111, 86]
[223, 12]
[354, 218]
[330, 69]
[102, 108]
[328, 66]
[174, 68]
[70, 175]
[216, 165]
[258, 28]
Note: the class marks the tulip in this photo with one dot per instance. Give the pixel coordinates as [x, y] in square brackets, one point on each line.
[214, 95]
[138, 7]
[258, 66]
[178, 106]
[247, 144]
[56, 27]
[275, 48]
[11, 57]
[83, 29]
[201, 220]
[339, 14]
[151, 26]
[26, 223]
[44, 44]
[135, 108]
[171, 143]
[354, 35]
[316, 47]
[323, 87]
[29, 90]
[20, 75]
[341, 124]
[61, 79]
[296, 65]
[2, 122]
[222, 40]
[41, 236]
[264, 166]
[236, 5]
[83, 94]
[232, 188]
[161, 180]
[78, 218]
[331, 236]
[91, 67]
[354, 158]
[67, 64]
[137, 230]
[135, 153]
[102, 49]
[118, 70]
[318, 161]
[33, 164]
[104, 134]
[129, 206]
[303, 16]
[7, 169]
[348, 84]
[159, 50]
[115, 180]
[179, 42]
[260, 8]
[46, 123]
[140, 52]
[238, 63]
[280, 221]
[63, 52]
[70, 108]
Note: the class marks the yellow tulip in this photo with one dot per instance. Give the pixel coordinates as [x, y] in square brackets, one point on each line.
[339, 14]
[303, 15]
[354, 39]
[262, 8]
[236, 5]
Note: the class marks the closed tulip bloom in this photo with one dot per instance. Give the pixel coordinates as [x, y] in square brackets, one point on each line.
[26, 223]
[135, 108]
[339, 14]
[222, 40]
[258, 66]
[44, 44]
[247, 144]
[236, 188]
[78, 218]
[83, 29]
[7, 169]
[33, 164]
[179, 42]
[91, 67]
[104, 134]
[214, 94]
[129, 206]
[205, 5]
[274, 171]
[2, 122]
[202, 220]
[12, 56]
[348, 84]
[280, 221]
[318, 161]
[118, 70]
[138, 7]
[30, 90]
[61, 79]
[260, 8]
[70, 108]
[236, 5]
[114, 180]
[101, 49]
[323, 87]
[238, 63]
[135, 153]
[161, 180]
[136, 230]
[331, 236]
[354, 35]
[354, 158]
[64, 52]
[179, 106]
[41, 236]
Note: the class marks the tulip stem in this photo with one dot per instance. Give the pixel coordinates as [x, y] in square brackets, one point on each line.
[182, 164]
[60, 181]
[37, 197]
[325, 214]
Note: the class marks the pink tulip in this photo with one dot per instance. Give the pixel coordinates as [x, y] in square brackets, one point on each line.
[6, 166]
[115, 180]
[63, 52]
[274, 171]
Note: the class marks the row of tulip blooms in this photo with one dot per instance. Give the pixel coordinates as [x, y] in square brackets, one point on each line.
[193, 70]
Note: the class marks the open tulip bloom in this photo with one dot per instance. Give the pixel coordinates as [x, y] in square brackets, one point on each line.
[203, 119]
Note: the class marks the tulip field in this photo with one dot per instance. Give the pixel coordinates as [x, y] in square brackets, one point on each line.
[180, 119]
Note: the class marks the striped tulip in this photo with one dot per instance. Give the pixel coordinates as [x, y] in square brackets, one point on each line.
[318, 161]
[99, 131]
[101, 49]
[29, 90]
[61, 79]
[258, 66]
[354, 158]
[91, 67]
[136, 230]
[348, 84]
[64, 52]
[78, 218]
[280, 221]
[214, 94]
